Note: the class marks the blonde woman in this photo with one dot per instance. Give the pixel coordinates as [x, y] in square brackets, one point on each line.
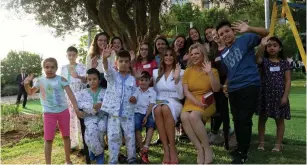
[199, 79]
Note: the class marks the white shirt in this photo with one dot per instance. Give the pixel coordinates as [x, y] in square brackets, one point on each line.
[144, 99]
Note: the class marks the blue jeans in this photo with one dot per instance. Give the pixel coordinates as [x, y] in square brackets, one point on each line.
[138, 120]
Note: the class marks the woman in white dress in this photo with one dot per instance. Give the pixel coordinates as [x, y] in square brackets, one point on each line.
[168, 85]
[75, 74]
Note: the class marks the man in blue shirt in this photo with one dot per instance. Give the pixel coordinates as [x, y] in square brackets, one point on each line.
[243, 80]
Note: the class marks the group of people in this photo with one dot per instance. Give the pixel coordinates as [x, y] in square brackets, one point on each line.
[191, 81]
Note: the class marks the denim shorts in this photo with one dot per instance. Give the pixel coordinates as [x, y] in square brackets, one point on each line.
[138, 119]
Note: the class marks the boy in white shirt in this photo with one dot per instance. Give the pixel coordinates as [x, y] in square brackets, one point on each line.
[146, 99]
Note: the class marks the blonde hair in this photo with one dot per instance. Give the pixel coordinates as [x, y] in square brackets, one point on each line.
[50, 59]
[201, 48]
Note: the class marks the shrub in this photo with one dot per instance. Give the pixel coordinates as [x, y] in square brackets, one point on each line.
[7, 110]
[9, 90]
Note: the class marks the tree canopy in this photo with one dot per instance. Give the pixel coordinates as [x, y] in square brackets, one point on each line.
[132, 20]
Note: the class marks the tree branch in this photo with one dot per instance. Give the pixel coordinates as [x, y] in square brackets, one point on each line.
[154, 23]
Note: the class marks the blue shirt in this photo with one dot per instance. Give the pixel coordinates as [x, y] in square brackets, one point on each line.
[240, 61]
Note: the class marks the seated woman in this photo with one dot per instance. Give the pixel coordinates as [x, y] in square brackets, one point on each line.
[198, 80]
[167, 83]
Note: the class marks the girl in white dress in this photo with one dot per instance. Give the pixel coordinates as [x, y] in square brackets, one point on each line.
[75, 74]
[168, 85]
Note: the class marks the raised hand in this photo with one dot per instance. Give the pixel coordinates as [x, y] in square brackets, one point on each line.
[186, 57]
[206, 67]
[132, 55]
[73, 72]
[176, 73]
[264, 41]
[240, 26]
[107, 51]
[28, 79]
[138, 73]
[95, 62]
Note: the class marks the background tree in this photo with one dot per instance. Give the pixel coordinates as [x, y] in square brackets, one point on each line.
[132, 20]
[10, 67]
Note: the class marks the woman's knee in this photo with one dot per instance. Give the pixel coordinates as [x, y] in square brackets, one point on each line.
[166, 111]
[195, 116]
[184, 117]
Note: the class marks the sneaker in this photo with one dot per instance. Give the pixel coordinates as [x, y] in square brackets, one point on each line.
[144, 156]
[238, 157]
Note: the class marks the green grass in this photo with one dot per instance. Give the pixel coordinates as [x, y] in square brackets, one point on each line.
[33, 107]
[31, 150]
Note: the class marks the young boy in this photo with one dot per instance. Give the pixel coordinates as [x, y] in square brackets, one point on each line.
[119, 104]
[243, 81]
[146, 98]
[95, 120]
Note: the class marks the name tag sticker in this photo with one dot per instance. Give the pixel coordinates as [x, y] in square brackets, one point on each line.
[225, 54]
[217, 59]
[275, 69]
[146, 66]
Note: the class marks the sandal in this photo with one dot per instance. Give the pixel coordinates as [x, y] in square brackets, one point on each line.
[261, 146]
[277, 148]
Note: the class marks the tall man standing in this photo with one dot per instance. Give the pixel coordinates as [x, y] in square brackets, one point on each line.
[21, 89]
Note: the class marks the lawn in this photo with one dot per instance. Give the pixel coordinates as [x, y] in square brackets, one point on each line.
[31, 150]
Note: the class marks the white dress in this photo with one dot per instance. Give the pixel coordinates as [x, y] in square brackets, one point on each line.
[168, 93]
[76, 85]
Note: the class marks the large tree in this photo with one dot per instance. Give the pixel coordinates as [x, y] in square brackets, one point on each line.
[132, 20]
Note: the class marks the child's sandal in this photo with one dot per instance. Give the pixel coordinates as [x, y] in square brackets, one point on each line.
[277, 148]
[261, 146]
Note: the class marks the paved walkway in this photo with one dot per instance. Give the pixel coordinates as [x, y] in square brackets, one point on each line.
[12, 99]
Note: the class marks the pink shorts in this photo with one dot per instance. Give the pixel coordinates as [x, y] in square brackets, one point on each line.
[50, 123]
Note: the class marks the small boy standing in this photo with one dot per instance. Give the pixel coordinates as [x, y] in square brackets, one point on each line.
[119, 104]
[95, 120]
[146, 99]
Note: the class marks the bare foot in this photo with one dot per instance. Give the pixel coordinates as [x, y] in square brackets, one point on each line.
[174, 156]
[208, 155]
[200, 157]
[166, 158]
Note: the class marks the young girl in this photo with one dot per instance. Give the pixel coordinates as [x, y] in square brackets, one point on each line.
[54, 105]
[145, 61]
[179, 45]
[74, 73]
[161, 44]
[276, 83]
[90, 101]
[194, 37]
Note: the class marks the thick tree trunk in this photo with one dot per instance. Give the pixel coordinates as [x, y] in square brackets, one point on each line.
[133, 28]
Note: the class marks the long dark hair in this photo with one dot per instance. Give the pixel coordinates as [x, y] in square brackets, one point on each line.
[150, 55]
[280, 53]
[159, 37]
[94, 49]
[118, 38]
[205, 36]
[183, 50]
[161, 69]
[189, 39]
